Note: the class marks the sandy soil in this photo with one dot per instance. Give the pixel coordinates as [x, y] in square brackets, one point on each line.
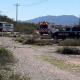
[36, 68]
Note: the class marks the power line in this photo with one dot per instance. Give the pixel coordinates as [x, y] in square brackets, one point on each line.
[35, 4]
[29, 5]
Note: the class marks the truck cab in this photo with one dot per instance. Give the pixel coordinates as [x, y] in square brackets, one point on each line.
[43, 28]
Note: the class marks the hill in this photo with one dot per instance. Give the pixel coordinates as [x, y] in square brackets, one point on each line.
[64, 19]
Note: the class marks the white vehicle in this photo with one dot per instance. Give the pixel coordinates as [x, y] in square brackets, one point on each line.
[6, 27]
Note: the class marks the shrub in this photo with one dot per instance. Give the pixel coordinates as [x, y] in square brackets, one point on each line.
[38, 42]
[6, 57]
[69, 50]
[43, 42]
[18, 77]
[6, 75]
[29, 41]
[70, 42]
[34, 40]
[6, 71]
[19, 39]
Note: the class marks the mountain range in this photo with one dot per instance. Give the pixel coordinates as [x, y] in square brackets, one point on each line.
[63, 19]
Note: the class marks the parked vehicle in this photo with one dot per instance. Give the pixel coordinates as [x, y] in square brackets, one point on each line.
[43, 28]
[58, 31]
[6, 27]
[69, 32]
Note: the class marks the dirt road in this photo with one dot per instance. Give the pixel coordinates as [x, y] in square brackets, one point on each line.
[36, 68]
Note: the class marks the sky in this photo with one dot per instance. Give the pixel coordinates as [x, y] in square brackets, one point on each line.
[30, 9]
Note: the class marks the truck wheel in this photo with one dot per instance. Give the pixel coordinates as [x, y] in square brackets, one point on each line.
[41, 33]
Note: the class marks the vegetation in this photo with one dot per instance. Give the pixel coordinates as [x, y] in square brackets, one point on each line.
[61, 64]
[6, 57]
[9, 75]
[38, 42]
[19, 39]
[69, 51]
[34, 41]
[25, 27]
[7, 60]
[22, 27]
[6, 19]
[70, 42]
[18, 77]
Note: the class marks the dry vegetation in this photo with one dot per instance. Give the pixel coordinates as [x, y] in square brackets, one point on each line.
[7, 60]
[62, 64]
[6, 57]
[69, 51]
[34, 41]
[70, 42]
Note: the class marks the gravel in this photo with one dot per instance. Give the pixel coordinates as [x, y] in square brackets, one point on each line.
[36, 68]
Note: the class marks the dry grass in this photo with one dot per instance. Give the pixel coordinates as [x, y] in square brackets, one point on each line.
[9, 75]
[70, 42]
[34, 41]
[6, 57]
[69, 51]
[7, 60]
[61, 64]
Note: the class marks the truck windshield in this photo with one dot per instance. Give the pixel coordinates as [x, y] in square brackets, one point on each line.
[43, 26]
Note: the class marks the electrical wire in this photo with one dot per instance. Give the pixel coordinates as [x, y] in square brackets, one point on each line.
[34, 4]
[37, 3]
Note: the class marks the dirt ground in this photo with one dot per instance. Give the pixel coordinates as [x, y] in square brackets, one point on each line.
[38, 69]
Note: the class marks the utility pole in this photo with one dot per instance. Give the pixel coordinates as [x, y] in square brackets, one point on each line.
[0, 13]
[17, 5]
[79, 20]
[16, 12]
[16, 18]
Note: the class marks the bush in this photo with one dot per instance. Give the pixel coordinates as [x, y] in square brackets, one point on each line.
[6, 57]
[19, 39]
[18, 77]
[23, 38]
[38, 42]
[29, 41]
[69, 50]
[6, 75]
[70, 42]
[43, 42]
[34, 40]
[6, 71]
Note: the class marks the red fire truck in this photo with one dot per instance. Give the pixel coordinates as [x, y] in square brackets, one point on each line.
[43, 28]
